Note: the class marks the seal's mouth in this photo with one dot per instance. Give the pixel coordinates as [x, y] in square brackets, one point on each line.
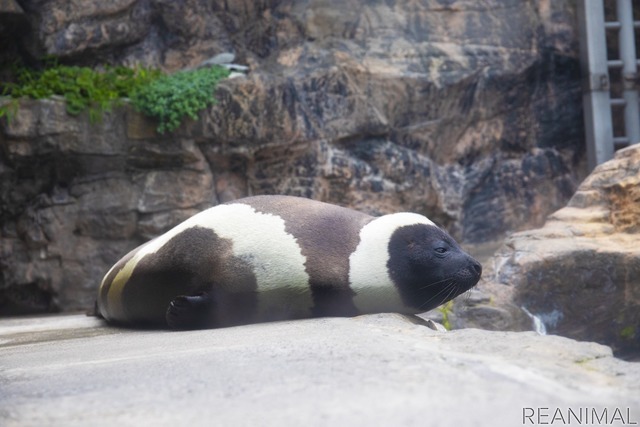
[470, 273]
[439, 292]
[457, 284]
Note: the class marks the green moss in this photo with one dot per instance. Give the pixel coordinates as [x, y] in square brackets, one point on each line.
[628, 332]
[83, 89]
[170, 98]
[446, 310]
[167, 98]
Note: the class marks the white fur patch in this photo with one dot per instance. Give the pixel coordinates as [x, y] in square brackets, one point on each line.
[259, 239]
[368, 274]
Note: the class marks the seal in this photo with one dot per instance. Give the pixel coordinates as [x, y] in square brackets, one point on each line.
[268, 258]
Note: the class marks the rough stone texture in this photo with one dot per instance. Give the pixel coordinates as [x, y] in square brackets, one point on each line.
[580, 273]
[468, 112]
[450, 110]
[382, 370]
[76, 196]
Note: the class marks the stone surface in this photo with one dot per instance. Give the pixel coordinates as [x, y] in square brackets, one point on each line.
[467, 112]
[382, 370]
[13, 25]
[580, 272]
[78, 196]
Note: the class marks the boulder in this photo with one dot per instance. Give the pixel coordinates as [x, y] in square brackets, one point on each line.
[580, 273]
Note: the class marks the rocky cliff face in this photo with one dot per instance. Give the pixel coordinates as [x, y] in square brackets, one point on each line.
[468, 112]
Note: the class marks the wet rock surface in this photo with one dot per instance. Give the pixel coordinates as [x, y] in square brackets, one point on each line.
[467, 112]
[370, 370]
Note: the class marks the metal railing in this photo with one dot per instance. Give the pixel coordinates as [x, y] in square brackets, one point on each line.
[598, 101]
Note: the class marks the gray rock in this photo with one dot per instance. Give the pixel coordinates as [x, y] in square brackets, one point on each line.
[165, 190]
[156, 223]
[382, 370]
[80, 195]
[579, 272]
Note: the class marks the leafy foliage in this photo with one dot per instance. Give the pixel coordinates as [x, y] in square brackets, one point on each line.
[82, 88]
[167, 98]
[170, 98]
[446, 309]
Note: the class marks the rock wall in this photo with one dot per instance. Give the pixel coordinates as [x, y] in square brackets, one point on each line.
[468, 112]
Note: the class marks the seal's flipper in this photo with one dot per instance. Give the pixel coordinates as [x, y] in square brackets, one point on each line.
[190, 312]
[95, 312]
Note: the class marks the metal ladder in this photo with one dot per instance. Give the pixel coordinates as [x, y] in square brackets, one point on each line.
[598, 102]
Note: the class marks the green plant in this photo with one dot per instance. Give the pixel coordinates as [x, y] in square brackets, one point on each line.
[446, 309]
[83, 89]
[170, 98]
[628, 332]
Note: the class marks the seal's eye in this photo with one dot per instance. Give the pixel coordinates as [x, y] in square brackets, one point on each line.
[440, 250]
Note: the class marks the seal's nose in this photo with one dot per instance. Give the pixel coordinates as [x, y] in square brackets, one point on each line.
[477, 268]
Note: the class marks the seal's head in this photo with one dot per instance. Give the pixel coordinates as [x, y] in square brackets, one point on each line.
[429, 267]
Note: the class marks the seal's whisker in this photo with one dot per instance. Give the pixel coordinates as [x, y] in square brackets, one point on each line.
[447, 287]
[466, 296]
[436, 283]
[453, 290]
